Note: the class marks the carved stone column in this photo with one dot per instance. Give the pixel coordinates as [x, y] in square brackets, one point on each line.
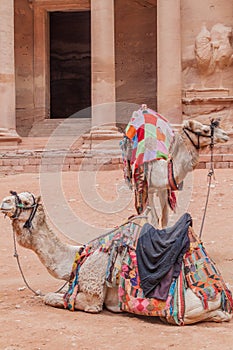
[103, 62]
[103, 77]
[169, 60]
[8, 133]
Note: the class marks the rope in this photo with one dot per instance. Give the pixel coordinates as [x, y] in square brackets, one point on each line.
[16, 255]
[210, 174]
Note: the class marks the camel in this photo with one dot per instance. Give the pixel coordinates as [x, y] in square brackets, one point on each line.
[32, 231]
[184, 153]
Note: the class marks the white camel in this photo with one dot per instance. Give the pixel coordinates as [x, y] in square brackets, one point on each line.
[32, 232]
[184, 153]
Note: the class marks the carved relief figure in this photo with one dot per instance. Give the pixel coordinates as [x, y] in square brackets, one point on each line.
[213, 49]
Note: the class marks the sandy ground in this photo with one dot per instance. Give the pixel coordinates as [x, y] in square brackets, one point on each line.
[26, 323]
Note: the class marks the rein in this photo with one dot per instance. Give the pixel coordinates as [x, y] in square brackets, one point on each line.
[211, 171]
[28, 225]
[213, 125]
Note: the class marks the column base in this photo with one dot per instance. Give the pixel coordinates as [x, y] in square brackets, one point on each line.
[9, 137]
[102, 139]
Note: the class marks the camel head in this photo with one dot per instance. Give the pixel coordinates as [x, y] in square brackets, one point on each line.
[19, 206]
[26, 213]
[200, 134]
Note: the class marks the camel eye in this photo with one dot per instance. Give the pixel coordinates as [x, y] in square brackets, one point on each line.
[26, 203]
[206, 131]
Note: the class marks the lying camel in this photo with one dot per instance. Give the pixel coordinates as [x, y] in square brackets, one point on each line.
[32, 231]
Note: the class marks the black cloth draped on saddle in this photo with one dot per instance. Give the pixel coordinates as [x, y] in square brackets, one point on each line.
[159, 256]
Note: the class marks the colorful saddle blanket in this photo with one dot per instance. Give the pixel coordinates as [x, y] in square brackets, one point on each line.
[198, 273]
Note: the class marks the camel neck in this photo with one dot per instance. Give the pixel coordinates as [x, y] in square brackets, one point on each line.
[55, 255]
[185, 157]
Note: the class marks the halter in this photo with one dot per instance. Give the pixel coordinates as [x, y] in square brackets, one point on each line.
[28, 224]
[213, 124]
[20, 207]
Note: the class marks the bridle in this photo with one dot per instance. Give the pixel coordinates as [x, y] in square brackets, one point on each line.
[20, 208]
[28, 224]
[213, 124]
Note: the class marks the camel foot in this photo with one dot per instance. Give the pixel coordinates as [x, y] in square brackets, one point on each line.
[88, 303]
[54, 299]
[94, 309]
[111, 300]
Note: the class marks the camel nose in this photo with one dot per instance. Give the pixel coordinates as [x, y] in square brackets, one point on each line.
[4, 206]
[225, 136]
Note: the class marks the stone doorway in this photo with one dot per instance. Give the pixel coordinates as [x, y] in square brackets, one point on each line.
[70, 62]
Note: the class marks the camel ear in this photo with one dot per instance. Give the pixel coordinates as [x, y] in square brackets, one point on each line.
[215, 122]
[189, 124]
[38, 200]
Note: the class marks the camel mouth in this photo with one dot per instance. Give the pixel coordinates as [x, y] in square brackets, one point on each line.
[5, 210]
[224, 139]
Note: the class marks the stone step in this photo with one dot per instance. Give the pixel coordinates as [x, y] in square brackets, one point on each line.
[32, 157]
[65, 152]
[66, 127]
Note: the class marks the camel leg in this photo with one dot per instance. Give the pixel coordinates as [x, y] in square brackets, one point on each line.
[83, 301]
[164, 207]
[92, 288]
[54, 299]
[155, 218]
[88, 303]
[111, 300]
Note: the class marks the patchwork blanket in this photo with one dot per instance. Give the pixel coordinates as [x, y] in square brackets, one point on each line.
[148, 137]
[133, 300]
[151, 136]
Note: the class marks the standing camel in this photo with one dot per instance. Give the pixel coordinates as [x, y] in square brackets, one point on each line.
[165, 174]
[193, 137]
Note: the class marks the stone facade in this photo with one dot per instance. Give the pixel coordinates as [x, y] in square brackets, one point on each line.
[174, 55]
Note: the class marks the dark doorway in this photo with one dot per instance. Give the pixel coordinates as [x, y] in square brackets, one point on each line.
[70, 63]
